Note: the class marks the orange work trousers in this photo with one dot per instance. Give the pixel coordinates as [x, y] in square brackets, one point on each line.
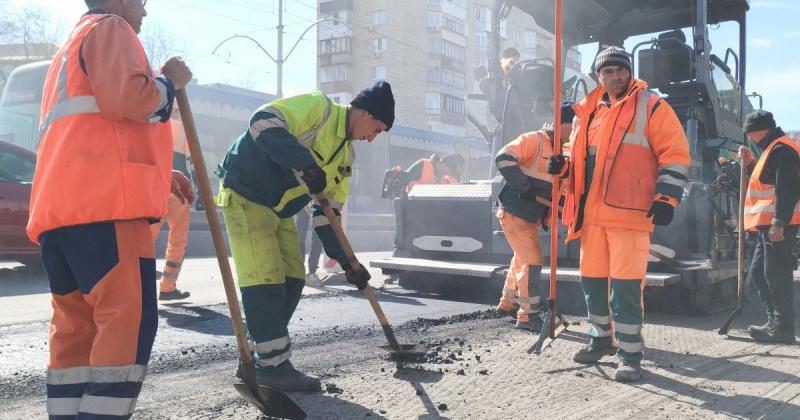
[178, 222]
[103, 283]
[523, 237]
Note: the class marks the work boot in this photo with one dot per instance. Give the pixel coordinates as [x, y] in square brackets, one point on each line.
[533, 324]
[284, 378]
[507, 312]
[774, 334]
[593, 353]
[628, 371]
[762, 329]
[176, 294]
[312, 279]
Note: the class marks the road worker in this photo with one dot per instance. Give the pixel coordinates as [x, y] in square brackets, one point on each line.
[628, 166]
[294, 147]
[103, 174]
[772, 210]
[435, 170]
[524, 204]
[177, 217]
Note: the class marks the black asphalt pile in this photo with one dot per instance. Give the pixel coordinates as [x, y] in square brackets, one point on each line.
[423, 323]
[332, 388]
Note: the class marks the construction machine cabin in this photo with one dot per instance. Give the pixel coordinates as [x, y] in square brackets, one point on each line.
[448, 240]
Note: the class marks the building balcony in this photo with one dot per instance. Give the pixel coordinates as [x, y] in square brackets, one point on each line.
[334, 5]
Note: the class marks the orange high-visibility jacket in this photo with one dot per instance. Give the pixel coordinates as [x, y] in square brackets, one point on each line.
[428, 175]
[642, 153]
[100, 158]
[759, 203]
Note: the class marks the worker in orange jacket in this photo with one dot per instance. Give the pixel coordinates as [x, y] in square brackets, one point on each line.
[524, 203]
[772, 210]
[628, 166]
[103, 173]
[177, 217]
[435, 170]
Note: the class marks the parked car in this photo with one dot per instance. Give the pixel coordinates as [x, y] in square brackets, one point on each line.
[16, 175]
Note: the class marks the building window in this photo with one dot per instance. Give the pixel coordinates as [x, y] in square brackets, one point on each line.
[453, 104]
[334, 46]
[380, 72]
[452, 78]
[335, 73]
[530, 40]
[434, 47]
[433, 74]
[453, 51]
[434, 21]
[455, 25]
[433, 103]
[380, 17]
[481, 41]
[379, 45]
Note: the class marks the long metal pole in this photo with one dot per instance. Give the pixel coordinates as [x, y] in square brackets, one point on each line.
[280, 59]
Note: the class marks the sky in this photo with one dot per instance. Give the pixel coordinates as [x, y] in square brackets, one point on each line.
[773, 67]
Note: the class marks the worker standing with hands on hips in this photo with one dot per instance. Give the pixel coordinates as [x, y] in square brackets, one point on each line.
[524, 205]
[103, 174]
[627, 169]
[771, 209]
[293, 147]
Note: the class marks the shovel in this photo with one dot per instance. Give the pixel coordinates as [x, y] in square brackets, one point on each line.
[270, 401]
[553, 323]
[740, 289]
[394, 347]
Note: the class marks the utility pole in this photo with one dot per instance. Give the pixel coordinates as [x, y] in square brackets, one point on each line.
[279, 62]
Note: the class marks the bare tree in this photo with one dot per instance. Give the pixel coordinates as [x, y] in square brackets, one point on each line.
[33, 28]
[158, 42]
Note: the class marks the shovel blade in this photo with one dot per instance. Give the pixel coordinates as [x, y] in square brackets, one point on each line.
[723, 330]
[270, 401]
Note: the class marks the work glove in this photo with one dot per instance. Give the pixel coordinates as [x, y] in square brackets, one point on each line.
[528, 194]
[661, 212]
[181, 187]
[555, 164]
[358, 278]
[314, 177]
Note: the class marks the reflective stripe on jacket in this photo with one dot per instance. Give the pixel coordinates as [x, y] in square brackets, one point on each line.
[759, 204]
[99, 157]
[642, 153]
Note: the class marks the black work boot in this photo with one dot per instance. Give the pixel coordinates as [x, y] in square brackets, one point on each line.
[176, 294]
[762, 329]
[777, 333]
[628, 371]
[534, 323]
[593, 353]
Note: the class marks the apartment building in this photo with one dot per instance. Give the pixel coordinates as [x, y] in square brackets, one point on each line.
[427, 49]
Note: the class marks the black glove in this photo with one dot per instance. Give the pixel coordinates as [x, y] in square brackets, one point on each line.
[661, 212]
[314, 177]
[528, 194]
[359, 278]
[555, 164]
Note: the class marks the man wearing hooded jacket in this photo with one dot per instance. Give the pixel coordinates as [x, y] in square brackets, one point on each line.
[294, 148]
[627, 168]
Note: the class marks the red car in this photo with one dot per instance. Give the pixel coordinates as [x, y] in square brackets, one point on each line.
[16, 174]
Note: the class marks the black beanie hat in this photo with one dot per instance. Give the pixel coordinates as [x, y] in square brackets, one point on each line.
[612, 56]
[759, 120]
[378, 101]
[567, 113]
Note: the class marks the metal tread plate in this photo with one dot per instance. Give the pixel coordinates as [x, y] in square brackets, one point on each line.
[455, 191]
[487, 270]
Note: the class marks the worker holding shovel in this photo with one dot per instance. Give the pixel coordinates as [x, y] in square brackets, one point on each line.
[294, 147]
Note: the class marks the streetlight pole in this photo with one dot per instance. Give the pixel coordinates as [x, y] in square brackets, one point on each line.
[281, 59]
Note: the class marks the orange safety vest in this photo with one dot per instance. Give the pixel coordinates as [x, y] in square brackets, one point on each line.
[759, 203]
[630, 165]
[91, 168]
[428, 175]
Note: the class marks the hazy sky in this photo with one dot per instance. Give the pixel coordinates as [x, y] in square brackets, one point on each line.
[199, 25]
